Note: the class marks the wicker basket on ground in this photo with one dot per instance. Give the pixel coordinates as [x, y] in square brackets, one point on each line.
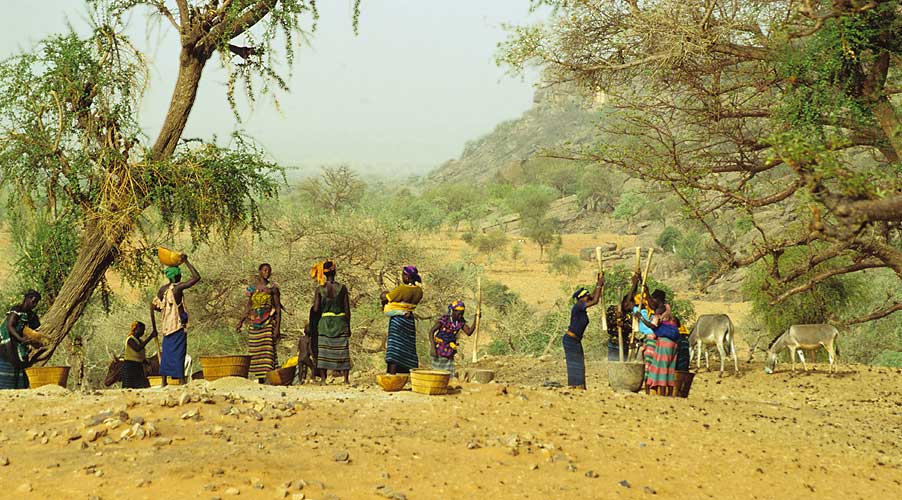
[216, 367]
[47, 375]
[430, 382]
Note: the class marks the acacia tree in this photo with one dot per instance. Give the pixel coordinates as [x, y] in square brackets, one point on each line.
[71, 146]
[336, 188]
[750, 109]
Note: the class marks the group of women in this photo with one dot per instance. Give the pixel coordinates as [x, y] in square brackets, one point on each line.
[661, 340]
[329, 324]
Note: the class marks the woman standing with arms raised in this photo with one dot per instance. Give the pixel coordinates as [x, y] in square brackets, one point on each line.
[264, 311]
[573, 338]
[170, 302]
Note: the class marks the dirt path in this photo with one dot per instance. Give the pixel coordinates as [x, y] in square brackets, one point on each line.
[747, 436]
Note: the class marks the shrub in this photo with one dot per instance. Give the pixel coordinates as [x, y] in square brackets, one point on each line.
[668, 239]
[630, 204]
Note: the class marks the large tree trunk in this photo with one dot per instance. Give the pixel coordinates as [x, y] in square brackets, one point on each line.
[96, 252]
[191, 67]
[99, 247]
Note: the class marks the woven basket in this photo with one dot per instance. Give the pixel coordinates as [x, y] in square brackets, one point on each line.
[169, 257]
[216, 367]
[392, 383]
[281, 376]
[47, 375]
[157, 381]
[430, 382]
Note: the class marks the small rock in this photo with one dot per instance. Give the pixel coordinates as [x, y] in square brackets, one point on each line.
[98, 473]
[298, 496]
[592, 474]
[184, 399]
[649, 490]
[534, 467]
[330, 496]
[571, 467]
[45, 440]
[233, 491]
[74, 436]
[142, 482]
[501, 390]
[25, 488]
[191, 414]
[473, 445]
[342, 456]
[162, 441]
[4, 461]
[625, 483]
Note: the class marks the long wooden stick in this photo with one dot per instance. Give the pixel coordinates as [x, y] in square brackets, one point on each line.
[639, 303]
[478, 317]
[604, 309]
[619, 317]
[647, 265]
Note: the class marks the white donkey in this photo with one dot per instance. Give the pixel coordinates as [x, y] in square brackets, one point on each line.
[809, 337]
[713, 329]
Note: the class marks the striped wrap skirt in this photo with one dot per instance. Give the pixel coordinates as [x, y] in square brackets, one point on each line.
[401, 348]
[576, 361]
[663, 366]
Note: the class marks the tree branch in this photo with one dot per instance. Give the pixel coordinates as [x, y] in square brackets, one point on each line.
[880, 313]
[818, 278]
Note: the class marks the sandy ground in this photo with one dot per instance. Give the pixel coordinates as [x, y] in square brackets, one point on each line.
[808, 435]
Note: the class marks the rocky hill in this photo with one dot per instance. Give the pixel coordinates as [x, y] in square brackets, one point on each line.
[559, 115]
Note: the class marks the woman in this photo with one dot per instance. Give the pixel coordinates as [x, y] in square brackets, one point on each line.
[573, 339]
[332, 303]
[616, 315]
[133, 376]
[661, 375]
[14, 344]
[264, 310]
[170, 302]
[399, 305]
[444, 336]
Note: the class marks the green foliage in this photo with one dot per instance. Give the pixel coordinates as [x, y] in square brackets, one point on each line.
[516, 251]
[629, 206]
[210, 190]
[46, 250]
[567, 264]
[531, 201]
[892, 359]
[336, 188]
[668, 239]
[831, 297]
[543, 231]
[490, 242]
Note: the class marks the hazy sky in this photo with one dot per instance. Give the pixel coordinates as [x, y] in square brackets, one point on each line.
[403, 96]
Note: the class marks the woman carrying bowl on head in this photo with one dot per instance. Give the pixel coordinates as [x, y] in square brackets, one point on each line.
[17, 335]
[444, 336]
[170, 303]
[264, 311]
[399, 305]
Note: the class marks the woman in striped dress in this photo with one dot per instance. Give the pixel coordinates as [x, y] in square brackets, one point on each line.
[399, 305]
[332, 303]
[264, 311]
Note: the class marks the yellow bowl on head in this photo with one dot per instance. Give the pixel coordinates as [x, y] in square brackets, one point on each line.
[169, 257]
